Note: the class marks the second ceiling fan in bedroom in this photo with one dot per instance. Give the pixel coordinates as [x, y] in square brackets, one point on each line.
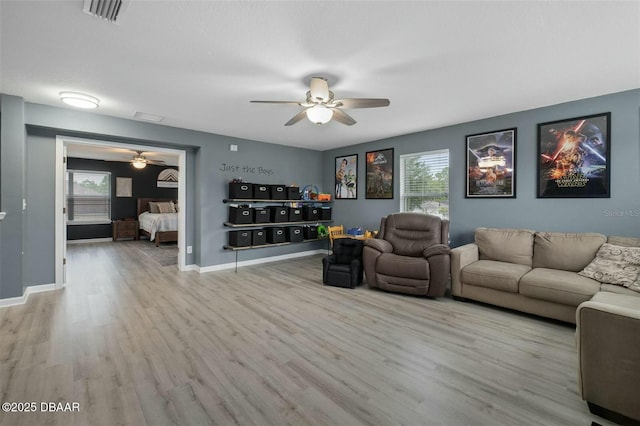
[139, 161]
[321, 106]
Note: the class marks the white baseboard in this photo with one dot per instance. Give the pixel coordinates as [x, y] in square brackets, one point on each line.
[90, 240]
[232, 265]
[192, 267]
[12, 301]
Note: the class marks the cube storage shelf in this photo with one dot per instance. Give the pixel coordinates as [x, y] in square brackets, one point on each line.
[268, 224]
[234, 248]
[261, 225]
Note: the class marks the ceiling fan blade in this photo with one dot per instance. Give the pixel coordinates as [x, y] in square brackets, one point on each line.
[319, 89]
[342, 117]
[362, 103]
[299, 116]
[276, 102]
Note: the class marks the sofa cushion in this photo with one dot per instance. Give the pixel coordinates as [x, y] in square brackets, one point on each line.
[565, 251]
[567, 288]
[403, 266]
[505, 245]
[615, 265]
[493, 274]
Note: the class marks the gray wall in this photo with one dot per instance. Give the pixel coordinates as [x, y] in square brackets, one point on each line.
[619, 215]
[206, 184]
[12, 180]
[28, 162]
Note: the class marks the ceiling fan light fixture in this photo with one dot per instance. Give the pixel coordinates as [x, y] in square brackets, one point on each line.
[139, 164]
[319, 114]
[79, 100]
[139, 161]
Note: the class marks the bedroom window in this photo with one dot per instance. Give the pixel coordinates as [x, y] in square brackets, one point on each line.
[424, 183]
[88, 197]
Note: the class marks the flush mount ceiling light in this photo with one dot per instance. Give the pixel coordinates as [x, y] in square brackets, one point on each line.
[79, 100]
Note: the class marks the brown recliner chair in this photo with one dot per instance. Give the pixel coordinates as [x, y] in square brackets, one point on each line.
[410, 255]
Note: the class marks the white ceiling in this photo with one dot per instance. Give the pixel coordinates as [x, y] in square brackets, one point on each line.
[118, 153]
[198, 63]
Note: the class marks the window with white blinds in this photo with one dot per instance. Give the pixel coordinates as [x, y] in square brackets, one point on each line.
[424, 183]
[88, 196]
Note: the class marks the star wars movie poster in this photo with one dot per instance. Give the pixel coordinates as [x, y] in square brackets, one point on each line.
[380, 174]
[573, 158]
[491, 164]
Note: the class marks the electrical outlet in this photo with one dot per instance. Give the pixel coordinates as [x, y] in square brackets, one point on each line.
[233, 147]
[189, 249]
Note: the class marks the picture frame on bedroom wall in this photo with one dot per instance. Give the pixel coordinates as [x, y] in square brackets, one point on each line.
[124, 187]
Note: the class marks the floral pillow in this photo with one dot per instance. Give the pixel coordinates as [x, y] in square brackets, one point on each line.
[615, 265]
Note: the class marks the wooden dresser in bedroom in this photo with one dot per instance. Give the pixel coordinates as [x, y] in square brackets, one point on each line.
[125, 229]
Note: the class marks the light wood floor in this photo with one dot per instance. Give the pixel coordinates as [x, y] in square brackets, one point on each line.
[140, 344]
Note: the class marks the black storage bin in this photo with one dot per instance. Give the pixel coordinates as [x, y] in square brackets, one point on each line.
[240, 238]
[240, 215]
[295, 214]
[241, 190]
[261, 192]
[293, 192]
[294, 234]
[258, 237]
[325, 213]
[279, 214]
[310, 232]
[278, 192]
[310, 213]
[276, 235]
[261, 215]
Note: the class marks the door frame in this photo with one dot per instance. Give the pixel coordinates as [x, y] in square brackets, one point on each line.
[60, 225]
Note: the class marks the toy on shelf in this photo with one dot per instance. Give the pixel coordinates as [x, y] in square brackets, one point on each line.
[310, 192]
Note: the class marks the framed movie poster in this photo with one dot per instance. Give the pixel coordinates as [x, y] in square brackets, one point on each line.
[573, 157]
[491, 164]
[379, 179]
[346, 177]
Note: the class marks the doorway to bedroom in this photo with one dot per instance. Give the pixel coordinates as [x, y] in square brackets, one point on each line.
[105, 191]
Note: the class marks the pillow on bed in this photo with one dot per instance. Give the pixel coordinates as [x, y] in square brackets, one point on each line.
[166, 207]
[153, 207]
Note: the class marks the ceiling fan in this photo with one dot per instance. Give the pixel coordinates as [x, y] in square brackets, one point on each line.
[139, 161]
[321, 106]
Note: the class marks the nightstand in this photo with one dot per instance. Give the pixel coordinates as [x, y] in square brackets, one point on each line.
[125, 229]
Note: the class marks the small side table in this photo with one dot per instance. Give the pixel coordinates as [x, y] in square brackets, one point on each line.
[125, 229]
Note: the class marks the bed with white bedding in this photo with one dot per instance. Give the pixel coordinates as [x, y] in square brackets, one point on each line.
[159, 227]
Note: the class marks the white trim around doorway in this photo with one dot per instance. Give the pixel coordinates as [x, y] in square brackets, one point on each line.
[59, 201]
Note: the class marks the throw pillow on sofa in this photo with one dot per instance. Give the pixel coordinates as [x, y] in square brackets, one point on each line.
[615, 265]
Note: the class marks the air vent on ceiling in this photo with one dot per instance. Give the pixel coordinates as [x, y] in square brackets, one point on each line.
[109, 10]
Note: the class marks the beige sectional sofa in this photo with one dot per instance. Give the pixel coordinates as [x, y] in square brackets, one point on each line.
[538, 273]
[533, 272]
